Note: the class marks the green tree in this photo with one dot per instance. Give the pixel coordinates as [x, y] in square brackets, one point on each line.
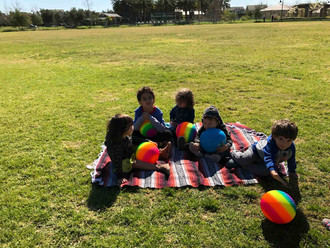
[36, 18]
[203, 5]
[47, 16]
[134, 10]
[249, 13]
[165, 5]
[214, 10]
[229, 16]
[187, 5]
[257, 13]
[4, 19]
[88, 4]
[58, 17]
[19, 19]
[124, 8]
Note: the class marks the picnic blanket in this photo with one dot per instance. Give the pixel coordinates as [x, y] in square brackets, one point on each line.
[185, 172]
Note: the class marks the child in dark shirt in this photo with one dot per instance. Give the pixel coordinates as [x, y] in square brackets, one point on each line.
[121, 147]
[211, 119]
[183, 111]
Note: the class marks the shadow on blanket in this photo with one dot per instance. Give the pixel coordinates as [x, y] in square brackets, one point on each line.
[185, 172]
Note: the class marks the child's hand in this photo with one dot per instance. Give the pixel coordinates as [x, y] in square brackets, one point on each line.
[145, 115]
[196, 146]
[278, 178]
[222, 148]
[120, 181]
[175, 124]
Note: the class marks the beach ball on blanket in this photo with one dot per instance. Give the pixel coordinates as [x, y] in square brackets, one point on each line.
[211, 139]
[186, 130]
[278, 206]
[147, 129]
[147, 152]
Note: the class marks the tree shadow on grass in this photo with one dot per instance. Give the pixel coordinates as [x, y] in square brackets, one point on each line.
[286, 235]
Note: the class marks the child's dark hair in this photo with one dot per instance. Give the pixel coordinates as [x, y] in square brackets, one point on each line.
[143, 90]
[285, 128]
[117, 126]
[187, 96]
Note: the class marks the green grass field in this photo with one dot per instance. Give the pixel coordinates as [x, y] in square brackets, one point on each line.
[59, 88]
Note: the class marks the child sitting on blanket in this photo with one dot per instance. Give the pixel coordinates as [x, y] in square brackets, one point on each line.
[211, 119]
[183, 111]
[147, 111]
[121, 146]
[263, 157]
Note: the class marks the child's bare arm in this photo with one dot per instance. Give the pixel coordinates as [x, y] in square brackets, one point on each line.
[278, 178]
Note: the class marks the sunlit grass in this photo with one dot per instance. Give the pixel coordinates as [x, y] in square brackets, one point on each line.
[59, 88]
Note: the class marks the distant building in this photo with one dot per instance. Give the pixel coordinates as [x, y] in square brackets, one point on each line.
[110, 18]
[110, 15]
[276, 10]
[238, 11]
[254, 7]
[322, 11]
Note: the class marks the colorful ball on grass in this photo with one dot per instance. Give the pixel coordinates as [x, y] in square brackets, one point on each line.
[147, 129]
[186, 130]
[278, 206]
[212, 138]
[147, 152]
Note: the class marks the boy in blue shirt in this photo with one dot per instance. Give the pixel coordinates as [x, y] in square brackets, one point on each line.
[263, 157]
[148, 111]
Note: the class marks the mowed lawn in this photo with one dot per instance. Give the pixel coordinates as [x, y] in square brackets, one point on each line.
[59, 88]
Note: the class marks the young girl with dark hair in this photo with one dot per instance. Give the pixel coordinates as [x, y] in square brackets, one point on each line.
[121, 147]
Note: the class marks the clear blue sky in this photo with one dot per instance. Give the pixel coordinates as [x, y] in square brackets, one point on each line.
[99, 5]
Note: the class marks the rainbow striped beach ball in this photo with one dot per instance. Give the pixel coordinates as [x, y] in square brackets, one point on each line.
[147, 129]
[187, 130]
[278, 206]
[147, 152]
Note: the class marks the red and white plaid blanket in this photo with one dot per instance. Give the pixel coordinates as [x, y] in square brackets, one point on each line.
[185, 172]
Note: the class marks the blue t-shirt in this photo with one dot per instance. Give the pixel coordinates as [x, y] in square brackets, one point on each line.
[272, 156]
[156, 119]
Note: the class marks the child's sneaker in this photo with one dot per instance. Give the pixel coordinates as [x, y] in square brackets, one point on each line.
[181, 142]
[164, 168]
[326, 223]
[231, 164]
[165, 152]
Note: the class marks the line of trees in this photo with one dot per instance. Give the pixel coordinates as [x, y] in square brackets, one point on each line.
[140, 10]
[46, 17]
[132, 11]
